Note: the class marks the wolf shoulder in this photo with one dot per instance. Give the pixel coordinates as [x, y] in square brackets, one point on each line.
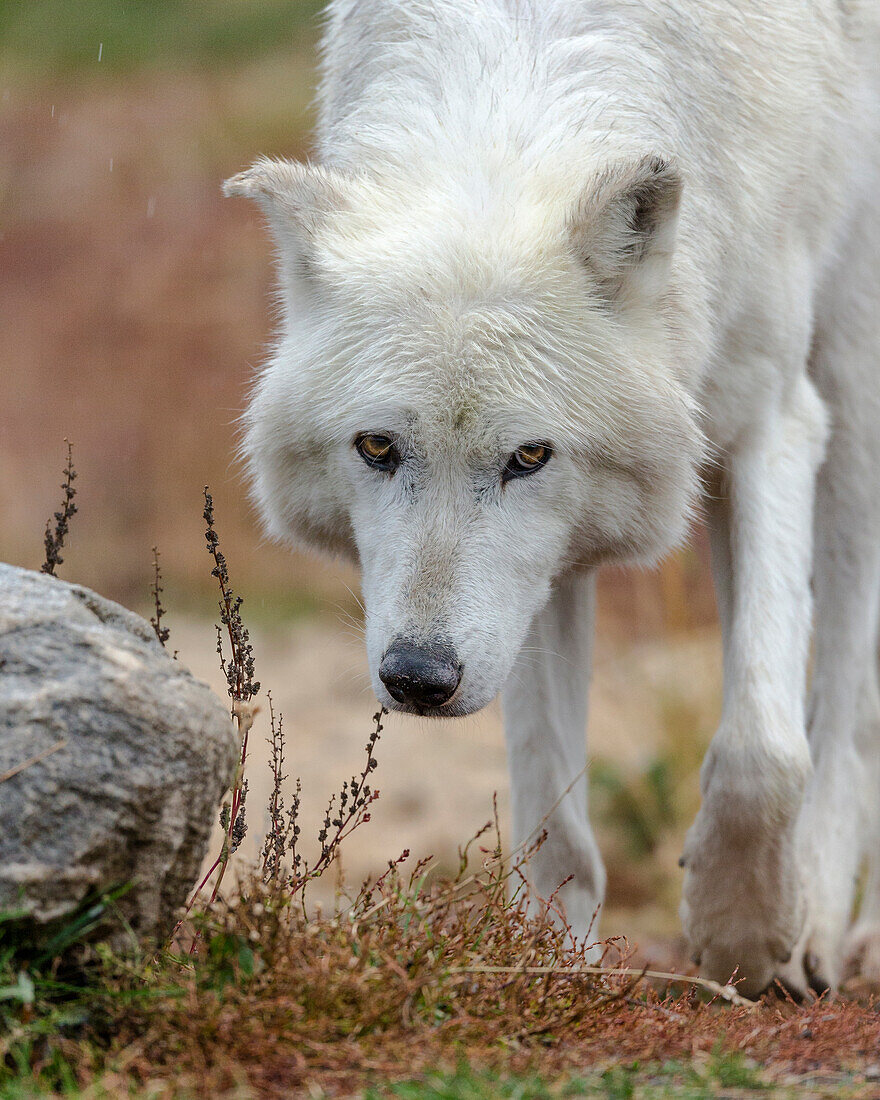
[722, 70]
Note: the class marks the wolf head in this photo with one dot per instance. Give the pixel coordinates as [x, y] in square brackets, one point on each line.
[470, 395]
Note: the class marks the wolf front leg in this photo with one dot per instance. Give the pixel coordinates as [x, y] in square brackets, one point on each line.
[545, 716]
[742, 907]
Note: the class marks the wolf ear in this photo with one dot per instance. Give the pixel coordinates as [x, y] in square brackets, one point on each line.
[297, 200]
[623, 229]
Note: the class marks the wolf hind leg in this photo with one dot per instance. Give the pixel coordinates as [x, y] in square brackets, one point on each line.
[861, 953]
[840, 807]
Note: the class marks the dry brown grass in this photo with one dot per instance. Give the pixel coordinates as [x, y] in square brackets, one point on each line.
[412, 975]
[262, 995]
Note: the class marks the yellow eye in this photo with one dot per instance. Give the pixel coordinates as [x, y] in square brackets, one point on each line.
[378, 451]
[532, 456]
[527, 459]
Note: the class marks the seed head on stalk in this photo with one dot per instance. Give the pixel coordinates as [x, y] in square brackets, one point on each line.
[55, 536]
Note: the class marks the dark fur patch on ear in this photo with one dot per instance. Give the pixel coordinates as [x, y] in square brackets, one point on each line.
[625, 219]
[653, 199]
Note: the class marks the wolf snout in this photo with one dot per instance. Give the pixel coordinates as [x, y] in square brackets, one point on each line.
[420, 675]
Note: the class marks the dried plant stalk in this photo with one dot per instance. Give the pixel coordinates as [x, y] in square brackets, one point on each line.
[238, 668]
[156, 590]
[345, 812]
[55, 536]
[282, 833]
[282, 862]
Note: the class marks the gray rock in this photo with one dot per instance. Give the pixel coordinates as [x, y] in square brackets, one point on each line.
[148, 753]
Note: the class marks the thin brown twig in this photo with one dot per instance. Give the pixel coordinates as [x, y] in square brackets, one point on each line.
[521, 848]
[33, 760]
[726, 992]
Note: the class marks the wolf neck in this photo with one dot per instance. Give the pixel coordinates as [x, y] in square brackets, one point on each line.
[493, 90]
[483, 122]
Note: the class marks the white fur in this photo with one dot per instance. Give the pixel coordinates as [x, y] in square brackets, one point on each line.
[646, 232]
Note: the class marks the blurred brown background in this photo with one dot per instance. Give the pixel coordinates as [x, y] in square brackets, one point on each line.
[135, 304]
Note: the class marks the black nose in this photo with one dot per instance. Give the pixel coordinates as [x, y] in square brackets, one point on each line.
[420, 675]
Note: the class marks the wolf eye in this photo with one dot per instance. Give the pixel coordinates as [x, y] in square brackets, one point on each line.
[378, 451]
[527, 459]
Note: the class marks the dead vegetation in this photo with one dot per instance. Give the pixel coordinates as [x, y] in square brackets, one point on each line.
[156, 590]
[408, 977]
[57, 532]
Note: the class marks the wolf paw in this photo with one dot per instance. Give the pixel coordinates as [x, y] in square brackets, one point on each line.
[741, 909]
[814, 966]
[861, 952]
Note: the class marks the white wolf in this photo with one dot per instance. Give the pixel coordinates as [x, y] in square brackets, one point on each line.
[562, 272]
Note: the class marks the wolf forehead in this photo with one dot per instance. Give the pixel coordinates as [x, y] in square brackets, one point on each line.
[489, 371]
[484, 313]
